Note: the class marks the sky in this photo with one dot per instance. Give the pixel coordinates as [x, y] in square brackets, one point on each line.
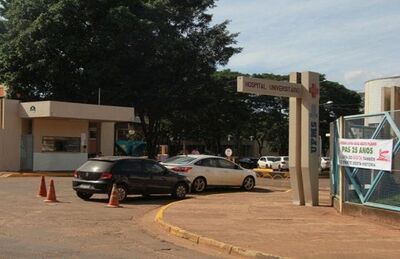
[350, 41]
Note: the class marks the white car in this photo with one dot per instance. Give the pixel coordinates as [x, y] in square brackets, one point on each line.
[281, 164]
[206, 170]
[266, 161]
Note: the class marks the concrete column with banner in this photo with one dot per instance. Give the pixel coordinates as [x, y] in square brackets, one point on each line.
[296, 179]
[310, 137]
[303, 128]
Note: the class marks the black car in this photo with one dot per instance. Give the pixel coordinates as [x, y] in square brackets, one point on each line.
[248, 162]
[131, 175]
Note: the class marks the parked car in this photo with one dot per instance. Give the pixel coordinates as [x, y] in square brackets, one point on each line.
[206, 170]
[266, 161]
[132, 176]
[248, 162]
[325, 163]
[281, 164]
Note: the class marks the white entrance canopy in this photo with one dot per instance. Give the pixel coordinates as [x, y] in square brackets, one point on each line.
[77, 111]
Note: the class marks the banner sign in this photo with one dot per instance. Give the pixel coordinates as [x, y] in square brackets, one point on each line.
[366, 153]
[268, 87]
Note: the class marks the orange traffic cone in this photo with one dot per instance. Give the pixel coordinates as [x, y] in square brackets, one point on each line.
[42, 189]
[114, 201]
[51, 196]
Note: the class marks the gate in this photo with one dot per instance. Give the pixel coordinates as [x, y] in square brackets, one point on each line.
[374, 188]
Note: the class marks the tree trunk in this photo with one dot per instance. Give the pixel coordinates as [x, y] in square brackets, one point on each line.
[150, 131]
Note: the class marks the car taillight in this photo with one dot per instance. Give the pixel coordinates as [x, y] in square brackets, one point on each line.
[106, 175]
[76, 174]
[182, 169]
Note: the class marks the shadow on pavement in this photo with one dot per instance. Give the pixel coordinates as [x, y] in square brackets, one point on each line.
[141, 200]
[220, 190]
[165, 199]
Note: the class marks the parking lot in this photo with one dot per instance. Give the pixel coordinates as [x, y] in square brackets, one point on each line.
[73, 228]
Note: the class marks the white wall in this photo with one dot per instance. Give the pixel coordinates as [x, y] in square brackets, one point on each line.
[54, 161]
[10, 137]
[373, 93]
[58, 161]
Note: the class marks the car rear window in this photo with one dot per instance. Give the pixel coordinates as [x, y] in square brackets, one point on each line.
[96, 166]
[286, 158]
[273, 159]
[180, 160]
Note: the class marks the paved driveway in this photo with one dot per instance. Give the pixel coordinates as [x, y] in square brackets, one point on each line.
[73, 228]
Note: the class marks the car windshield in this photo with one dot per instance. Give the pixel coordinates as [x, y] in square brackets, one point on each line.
[273, 159]
[95, 166]
[180, 160]
[286, 158]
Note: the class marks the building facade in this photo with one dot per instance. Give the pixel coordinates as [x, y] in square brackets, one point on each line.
[56, 136]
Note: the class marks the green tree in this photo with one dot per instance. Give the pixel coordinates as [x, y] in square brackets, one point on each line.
[217, 111]
[335, 101]
[151, 54]
[270, 119]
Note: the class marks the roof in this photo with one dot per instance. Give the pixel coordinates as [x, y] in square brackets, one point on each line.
[79, 111]
[383, 78]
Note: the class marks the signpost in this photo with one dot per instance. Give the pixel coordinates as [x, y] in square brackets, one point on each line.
[228, 153]
[303, 93]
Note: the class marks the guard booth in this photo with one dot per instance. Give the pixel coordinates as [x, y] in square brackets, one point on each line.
[55, 136]
[365, 171]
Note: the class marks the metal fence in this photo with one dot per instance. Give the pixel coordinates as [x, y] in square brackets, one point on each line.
[375, 188]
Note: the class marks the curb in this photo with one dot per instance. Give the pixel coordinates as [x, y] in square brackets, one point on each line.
[197, 239]
[38, 174]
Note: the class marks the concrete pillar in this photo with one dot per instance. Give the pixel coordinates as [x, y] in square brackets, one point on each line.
[107, 139]
[310, 137]
[296, 179]
[341, 170]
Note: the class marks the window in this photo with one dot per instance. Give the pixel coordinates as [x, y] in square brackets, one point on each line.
[208, 162]
[61, 144]
[152, 167]
[96, 166]
[226, 164]
[92, 133]
[128, 166]
[180, 160]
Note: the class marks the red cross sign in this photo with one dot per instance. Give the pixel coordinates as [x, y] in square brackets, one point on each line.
[313, 90]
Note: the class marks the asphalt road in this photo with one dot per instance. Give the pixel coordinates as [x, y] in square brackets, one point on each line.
[73, 228]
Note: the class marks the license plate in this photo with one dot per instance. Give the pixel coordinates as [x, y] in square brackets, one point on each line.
[84, 186]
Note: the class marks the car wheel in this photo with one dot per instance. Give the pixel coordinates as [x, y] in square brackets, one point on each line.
[199, 184]
[248, 183]
[122, 193]
[84, 195]
[180, 191]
